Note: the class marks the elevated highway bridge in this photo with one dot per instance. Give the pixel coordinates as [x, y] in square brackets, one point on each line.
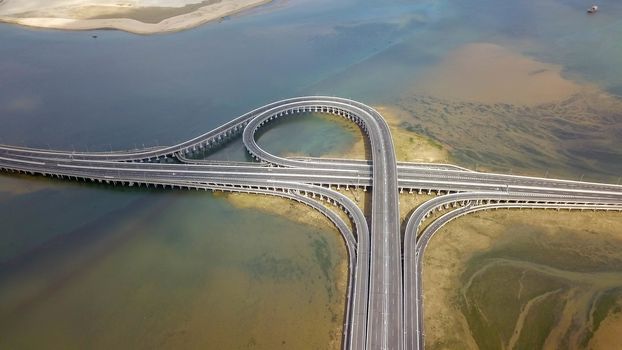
[384, 309]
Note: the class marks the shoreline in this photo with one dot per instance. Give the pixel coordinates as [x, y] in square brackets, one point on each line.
[205, 14]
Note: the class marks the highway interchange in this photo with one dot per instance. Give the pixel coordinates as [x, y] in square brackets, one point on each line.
[385, 304]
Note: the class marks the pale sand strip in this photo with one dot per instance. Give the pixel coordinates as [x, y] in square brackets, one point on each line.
[173, 24]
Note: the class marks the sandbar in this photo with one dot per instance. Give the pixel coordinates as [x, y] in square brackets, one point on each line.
[134, 16]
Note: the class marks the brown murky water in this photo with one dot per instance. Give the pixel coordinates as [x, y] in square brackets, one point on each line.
[181, 270]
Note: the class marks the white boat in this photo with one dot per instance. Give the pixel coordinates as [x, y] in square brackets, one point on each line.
[592, 9]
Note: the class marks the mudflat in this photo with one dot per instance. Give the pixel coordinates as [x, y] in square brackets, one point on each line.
[525, 279]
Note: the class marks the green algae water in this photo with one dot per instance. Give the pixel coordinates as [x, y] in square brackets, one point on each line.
[311, 134]
[306, 135]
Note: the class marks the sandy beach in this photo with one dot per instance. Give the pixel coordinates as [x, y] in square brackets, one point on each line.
[134, 16]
